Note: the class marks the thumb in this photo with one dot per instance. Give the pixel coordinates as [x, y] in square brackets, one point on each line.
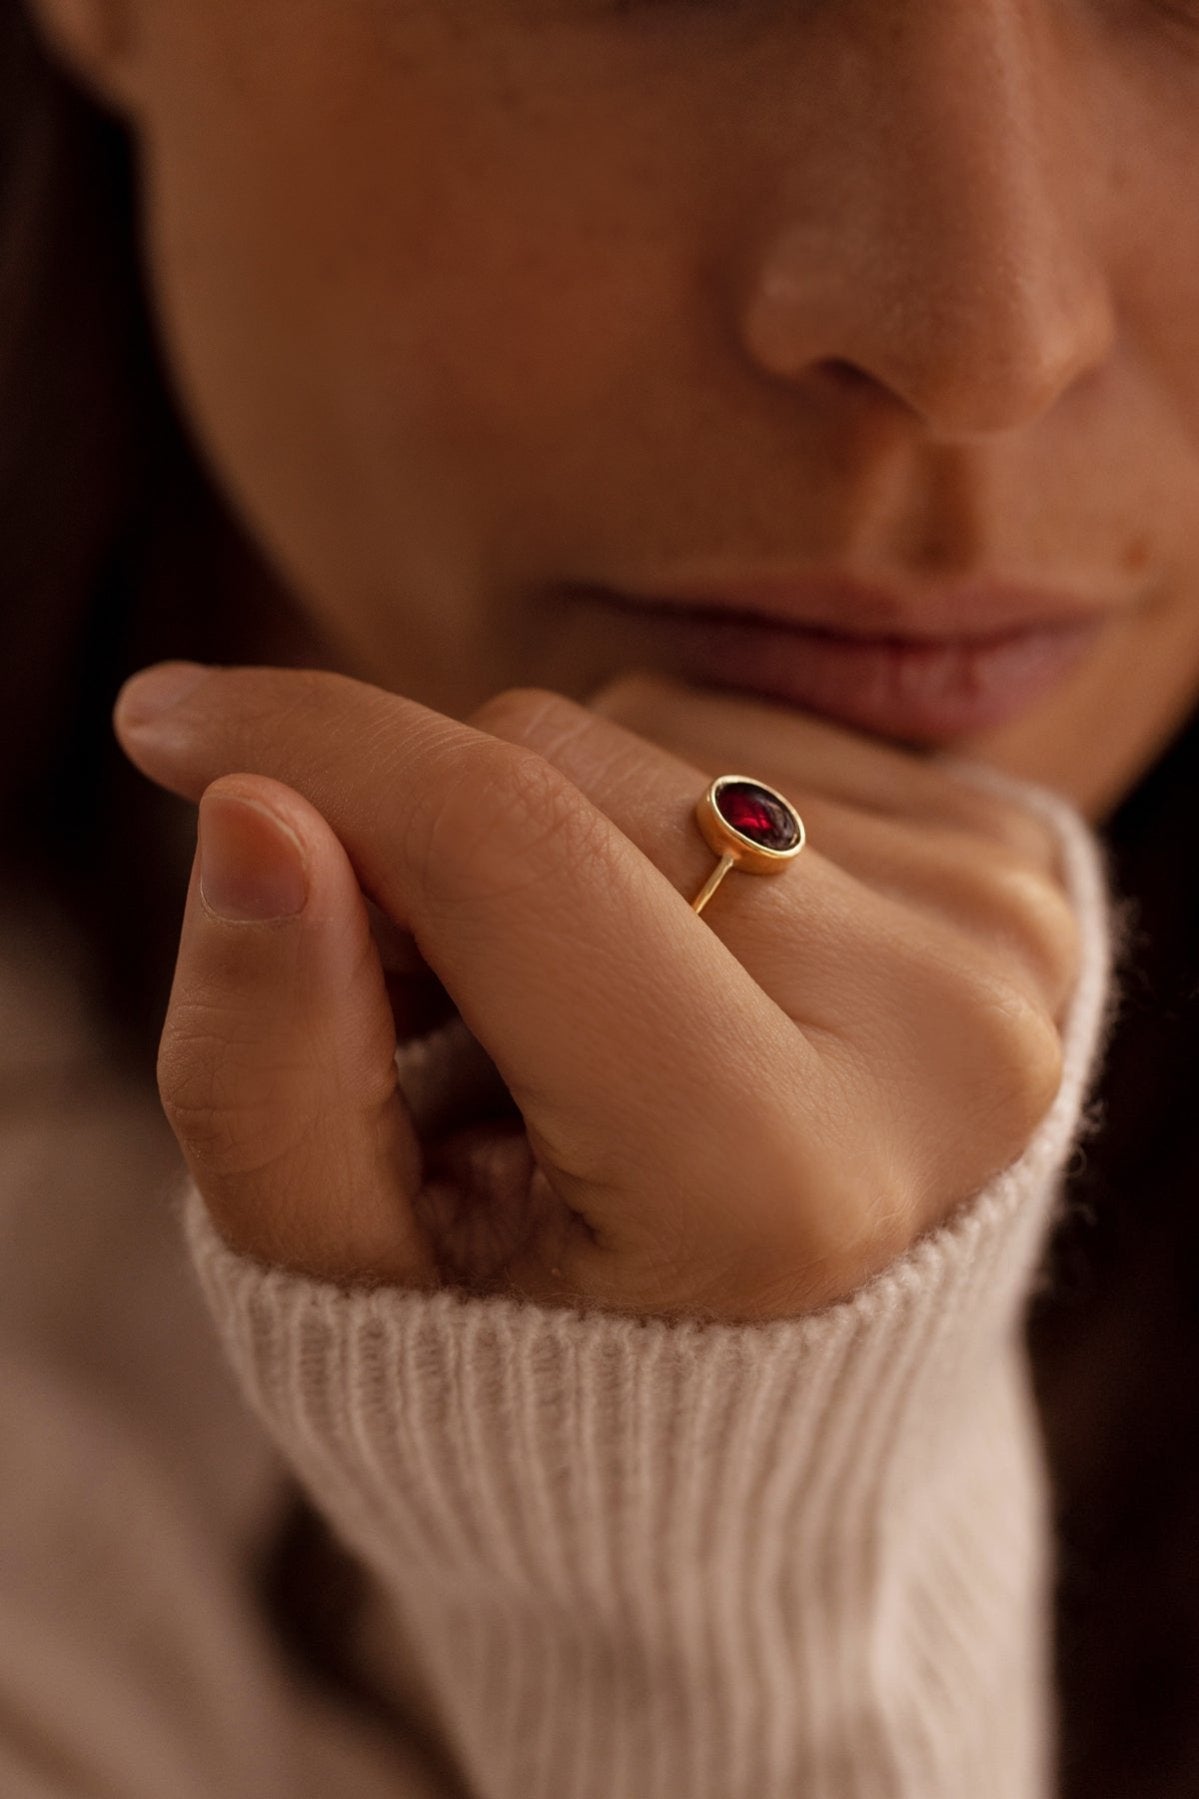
[277, 1062]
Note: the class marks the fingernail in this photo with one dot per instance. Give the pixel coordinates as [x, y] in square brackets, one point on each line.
[146, 696]
[251, 863]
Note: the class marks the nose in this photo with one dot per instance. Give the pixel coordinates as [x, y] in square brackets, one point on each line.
[940, 250]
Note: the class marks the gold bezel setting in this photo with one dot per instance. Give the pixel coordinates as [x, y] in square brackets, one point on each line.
[750, 855]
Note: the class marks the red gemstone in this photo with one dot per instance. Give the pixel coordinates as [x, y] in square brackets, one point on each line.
[758, 814]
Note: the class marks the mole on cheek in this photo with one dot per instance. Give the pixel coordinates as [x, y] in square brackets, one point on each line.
[1136, 556]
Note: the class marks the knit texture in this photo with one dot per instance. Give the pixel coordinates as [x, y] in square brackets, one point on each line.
[655, 1559]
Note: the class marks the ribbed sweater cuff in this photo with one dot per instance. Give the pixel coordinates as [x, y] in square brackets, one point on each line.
[681, 1560]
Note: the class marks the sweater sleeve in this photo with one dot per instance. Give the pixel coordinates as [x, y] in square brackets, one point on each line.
[653, 1559]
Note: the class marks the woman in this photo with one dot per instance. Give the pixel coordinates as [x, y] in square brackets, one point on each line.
[549, 410]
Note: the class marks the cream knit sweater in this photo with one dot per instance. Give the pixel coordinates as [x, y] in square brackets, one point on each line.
[608, 1558]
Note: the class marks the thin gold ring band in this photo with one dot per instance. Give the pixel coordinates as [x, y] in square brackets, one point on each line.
[750, 826]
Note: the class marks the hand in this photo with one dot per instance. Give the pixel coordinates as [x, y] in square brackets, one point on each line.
[737, 1116]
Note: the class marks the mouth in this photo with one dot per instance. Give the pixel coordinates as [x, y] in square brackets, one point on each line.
[962, 663]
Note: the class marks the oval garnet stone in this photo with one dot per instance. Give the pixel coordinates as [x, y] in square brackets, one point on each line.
[758, 814]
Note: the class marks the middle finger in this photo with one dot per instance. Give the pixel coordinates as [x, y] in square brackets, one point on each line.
[943, 854]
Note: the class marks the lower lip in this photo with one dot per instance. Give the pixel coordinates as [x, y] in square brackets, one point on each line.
[893, 687]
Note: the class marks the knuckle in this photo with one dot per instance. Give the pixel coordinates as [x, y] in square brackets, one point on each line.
[231, 1120]
[1036, 914]
[500, 821]
[1041, 1065]
[826, 1255]
[884, 1224]
[870, 1224]
[1016, 829]
[1023, 1057]
[535, 717]
[819, 1239]
[638, 698]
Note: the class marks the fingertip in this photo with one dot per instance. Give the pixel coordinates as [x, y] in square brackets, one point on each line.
[146, 695]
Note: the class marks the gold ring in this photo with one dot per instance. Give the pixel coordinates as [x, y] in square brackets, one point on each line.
[750, 827]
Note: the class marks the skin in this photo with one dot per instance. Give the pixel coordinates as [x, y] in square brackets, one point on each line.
[470, 301]
[736, 1122]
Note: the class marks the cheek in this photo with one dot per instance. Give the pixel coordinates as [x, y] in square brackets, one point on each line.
[1095, 737]
[395, 278]
[1144, 222]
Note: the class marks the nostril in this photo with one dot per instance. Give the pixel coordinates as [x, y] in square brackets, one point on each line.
[849, 380]
[845, 374]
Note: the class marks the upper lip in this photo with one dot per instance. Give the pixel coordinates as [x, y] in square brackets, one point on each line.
[847, 605]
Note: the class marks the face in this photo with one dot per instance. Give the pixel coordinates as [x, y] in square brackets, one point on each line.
[484, 310]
